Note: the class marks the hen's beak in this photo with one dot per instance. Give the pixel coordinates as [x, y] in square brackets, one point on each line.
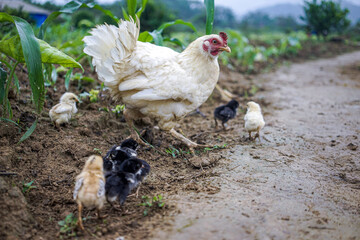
[226, 49]
[77, 100]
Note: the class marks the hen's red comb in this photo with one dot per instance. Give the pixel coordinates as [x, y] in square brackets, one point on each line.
[223, 36]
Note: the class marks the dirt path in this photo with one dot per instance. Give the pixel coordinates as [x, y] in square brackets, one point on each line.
[302, 181]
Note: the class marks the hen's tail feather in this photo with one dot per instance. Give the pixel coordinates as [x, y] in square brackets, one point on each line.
[108, 45]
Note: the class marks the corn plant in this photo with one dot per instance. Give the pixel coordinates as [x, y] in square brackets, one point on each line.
[24, 47]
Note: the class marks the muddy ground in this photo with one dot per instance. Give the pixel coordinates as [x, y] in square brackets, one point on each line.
[302, 181]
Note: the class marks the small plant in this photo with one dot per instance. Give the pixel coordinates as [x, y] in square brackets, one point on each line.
[97, 151]
[215, 147]
[94, 95]
[174, 152]
[28, 186]
[150, 203]
[68, 225]
[118, 109]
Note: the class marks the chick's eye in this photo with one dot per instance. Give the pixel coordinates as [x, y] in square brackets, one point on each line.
[214, 41]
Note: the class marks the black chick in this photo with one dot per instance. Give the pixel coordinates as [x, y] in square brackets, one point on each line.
[119, 153]
[118, 186]
[125, 178]
[225, 112]
[122, 180]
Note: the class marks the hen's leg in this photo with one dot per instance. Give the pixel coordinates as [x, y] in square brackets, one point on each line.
[250, 136]
[187, 141]
[79, 218]
[225, 95]
[129, 115]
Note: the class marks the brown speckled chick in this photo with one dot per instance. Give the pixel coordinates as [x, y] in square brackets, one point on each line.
[90, 186]
[63, 111]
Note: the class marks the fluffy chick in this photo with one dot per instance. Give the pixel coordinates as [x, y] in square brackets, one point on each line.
[119, 153]
[63, 111]
[121, 181]
[90, 186]
[225, 113]
[254, 120]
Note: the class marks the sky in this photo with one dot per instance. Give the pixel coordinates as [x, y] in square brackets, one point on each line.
[239, 7]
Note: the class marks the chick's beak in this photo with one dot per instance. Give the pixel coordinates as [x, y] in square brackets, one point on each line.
[76, 99]
[225, 48]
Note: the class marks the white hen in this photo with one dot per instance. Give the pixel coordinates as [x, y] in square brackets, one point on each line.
[155, 81]
[63, 111]
[254, 120]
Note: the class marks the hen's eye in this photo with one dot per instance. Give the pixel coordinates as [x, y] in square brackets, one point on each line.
[214, 41]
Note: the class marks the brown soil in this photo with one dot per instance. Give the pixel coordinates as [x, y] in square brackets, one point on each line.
[53, 158]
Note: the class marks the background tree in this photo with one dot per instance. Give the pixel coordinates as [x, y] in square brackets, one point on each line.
[325, 18]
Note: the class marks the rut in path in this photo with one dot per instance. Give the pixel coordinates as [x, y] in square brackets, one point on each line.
[302, 181]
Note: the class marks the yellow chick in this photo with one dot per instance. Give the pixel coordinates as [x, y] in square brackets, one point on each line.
[90, 187]
[62, 112]
[254, 120]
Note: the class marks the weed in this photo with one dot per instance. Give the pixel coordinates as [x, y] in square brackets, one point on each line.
[94, 95]
[215, 147]
[28, 186]
[151, 203]
[174, 152]
[118, 109]
[68, 225]
[97, 151]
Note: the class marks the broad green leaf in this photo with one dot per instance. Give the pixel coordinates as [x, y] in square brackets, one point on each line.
[178, 21]
[3, 76]
[158, 39]
[145, 37]
[31, 52]
[175, 41]
[28, 132]
[12, 47]
[70, 8]
[210, 9]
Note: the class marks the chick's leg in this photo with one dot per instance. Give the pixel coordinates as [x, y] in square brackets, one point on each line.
[129, 115]
[187, 141]
[80, 223]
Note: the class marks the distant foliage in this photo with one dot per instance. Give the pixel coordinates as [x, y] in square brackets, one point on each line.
[325, 17]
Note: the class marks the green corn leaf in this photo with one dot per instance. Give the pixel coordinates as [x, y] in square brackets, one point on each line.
[210, 9]
[13, 48]
[126, 16]
[178, 21]
[3, 76]
[70, 8]
[10, 121]
[142, 9]
[32, 57]
[28, 132]
[67, 78]
[131, 7]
